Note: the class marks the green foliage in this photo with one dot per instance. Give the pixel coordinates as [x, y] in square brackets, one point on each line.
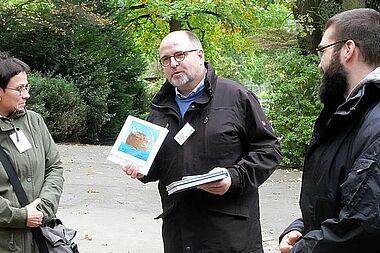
[60, 104]
[222, 26]
[70, 39]
[100, 46]
[276, 29]
[292, 101]
[244, 41]
[287, 85]
[230, 39]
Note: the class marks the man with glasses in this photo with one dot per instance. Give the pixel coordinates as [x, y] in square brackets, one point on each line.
[340, 194]
[221, 127]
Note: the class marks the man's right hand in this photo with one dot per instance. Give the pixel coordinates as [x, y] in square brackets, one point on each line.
[132, 171]
[289, 240]
[34, 216]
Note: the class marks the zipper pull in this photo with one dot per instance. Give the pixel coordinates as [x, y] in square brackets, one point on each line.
[14, 128]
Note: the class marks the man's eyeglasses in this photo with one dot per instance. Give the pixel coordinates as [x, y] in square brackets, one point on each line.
[178, 56]
[321, 49]
[20, 89]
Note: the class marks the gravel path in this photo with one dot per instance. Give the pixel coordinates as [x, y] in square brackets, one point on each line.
[115, 214]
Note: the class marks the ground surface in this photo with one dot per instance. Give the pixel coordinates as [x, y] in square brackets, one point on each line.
[115, 214]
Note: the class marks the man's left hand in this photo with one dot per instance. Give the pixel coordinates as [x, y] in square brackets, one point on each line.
[219, 187]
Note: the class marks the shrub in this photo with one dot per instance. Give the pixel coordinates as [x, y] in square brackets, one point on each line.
[292, 101]
[59, 103]
[71, 40]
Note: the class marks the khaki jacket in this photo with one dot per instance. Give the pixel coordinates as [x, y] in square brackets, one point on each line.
[40, 172]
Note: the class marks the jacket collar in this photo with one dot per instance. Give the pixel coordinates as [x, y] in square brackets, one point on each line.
[368, 88]
[366, 93]
[6, 122]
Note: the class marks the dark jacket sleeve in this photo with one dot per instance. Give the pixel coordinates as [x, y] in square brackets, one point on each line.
[359, 217]
[263, 149]
[295, 225]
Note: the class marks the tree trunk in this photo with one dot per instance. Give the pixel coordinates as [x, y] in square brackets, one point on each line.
[175, 25]
[315, 13]
[303, 9]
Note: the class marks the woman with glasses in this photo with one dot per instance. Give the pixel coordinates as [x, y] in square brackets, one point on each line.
[34, 156]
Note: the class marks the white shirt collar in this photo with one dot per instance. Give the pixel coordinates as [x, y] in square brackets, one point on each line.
[194, 91]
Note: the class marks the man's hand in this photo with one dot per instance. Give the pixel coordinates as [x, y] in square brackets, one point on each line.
[132, 171]
[218, 187]
[34, 217]
[289, 240]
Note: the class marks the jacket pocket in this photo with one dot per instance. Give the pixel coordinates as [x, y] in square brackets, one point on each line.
[357, 186]
[166, 212]
[229, 228]
[8, 241]
[230, 209]
[241, 211]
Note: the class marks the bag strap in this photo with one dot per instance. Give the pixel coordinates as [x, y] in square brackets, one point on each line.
[22, 198]
[13, 178]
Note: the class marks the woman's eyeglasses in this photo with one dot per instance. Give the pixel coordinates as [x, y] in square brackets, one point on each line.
[20, 89]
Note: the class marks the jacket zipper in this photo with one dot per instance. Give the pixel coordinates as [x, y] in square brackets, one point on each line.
[205, 121]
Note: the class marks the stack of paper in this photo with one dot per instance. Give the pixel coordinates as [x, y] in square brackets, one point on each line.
[190, 182]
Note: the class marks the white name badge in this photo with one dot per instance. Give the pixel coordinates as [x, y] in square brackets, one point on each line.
[20, 141]
[184, 133]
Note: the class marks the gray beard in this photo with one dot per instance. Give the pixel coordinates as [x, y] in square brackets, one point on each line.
[180, 82]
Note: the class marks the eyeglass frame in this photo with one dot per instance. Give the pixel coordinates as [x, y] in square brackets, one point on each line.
[321, 49]
[22, 88]
[184, 53]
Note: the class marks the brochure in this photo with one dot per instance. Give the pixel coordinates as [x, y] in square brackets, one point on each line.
[190, 182]
[138, 143]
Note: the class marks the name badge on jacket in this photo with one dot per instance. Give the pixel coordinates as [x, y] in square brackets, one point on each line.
[20, 141]
[184, 133]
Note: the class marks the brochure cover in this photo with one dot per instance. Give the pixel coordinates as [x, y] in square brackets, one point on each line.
[138, 142]
[190, 182]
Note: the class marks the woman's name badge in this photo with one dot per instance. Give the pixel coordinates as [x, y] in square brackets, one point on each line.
[184, 133]
[20, 141]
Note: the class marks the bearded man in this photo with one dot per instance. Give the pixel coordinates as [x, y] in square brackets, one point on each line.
[340, 193]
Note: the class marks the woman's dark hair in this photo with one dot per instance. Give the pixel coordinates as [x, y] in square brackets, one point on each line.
[10, 67]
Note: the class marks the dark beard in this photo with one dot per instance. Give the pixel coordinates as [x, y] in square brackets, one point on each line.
[334, 83]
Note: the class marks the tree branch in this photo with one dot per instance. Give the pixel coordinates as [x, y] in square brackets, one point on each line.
[135, 7]
[145, 16]
[219, 17]
[13, 12]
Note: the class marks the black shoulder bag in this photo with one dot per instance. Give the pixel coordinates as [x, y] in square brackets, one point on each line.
[55, 237]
